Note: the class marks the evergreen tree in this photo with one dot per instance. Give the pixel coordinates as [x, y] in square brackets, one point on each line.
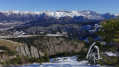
[110, 33]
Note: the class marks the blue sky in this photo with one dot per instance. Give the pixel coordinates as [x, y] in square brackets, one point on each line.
[101, 6]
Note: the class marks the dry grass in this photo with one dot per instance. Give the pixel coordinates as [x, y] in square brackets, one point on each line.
[10, 44]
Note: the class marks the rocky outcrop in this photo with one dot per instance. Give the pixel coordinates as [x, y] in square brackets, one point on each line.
[53, 45]
[29, 51]
[49, 45]
[34, 52]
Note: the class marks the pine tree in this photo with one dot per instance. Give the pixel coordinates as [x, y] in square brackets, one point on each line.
[110, 33]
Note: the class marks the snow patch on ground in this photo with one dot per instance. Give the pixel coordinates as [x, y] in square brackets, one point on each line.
[68, 60]
[62, 62]
[110, 54]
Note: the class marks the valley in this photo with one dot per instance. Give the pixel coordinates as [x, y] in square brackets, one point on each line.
[39, 37]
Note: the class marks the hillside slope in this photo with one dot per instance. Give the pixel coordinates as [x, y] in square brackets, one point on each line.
[51, 45]
[9, 44]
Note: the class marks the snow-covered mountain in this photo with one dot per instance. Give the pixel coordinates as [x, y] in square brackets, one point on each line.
[30, 16]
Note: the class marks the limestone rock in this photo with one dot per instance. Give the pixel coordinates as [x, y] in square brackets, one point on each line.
[41, 54]
[29, 51]
[34, 52]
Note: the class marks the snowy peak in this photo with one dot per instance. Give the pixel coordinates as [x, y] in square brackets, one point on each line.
[63, 13]
[28, 15]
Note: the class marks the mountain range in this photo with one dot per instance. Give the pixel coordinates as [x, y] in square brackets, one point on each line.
[27, 16]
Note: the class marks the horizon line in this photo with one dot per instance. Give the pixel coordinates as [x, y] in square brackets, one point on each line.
[56, 11]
